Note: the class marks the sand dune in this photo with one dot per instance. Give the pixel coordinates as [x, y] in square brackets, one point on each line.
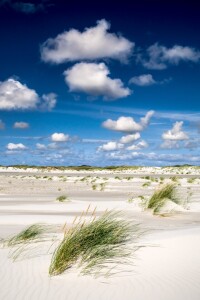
[167, 267]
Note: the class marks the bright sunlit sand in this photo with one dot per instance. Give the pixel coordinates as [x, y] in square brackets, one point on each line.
[166, 264]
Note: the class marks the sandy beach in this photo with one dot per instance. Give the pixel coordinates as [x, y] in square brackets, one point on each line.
[165, 267]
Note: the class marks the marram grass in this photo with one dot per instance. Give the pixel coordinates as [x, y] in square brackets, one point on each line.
[94, 245]
[26, 243]
[29, 234]
[160, 197]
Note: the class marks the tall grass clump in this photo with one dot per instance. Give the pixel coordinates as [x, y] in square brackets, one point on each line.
[160, 197]
[91, 246]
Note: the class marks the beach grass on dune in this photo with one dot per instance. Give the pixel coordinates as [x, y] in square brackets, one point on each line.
[29, 234]
[95, 244]
[61, 198]
[160, 197]
[27, 243]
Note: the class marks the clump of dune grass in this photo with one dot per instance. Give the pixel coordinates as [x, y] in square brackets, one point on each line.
[29, 234]
[25, 243]
[61, 198]
[92, 246]
[160, 197]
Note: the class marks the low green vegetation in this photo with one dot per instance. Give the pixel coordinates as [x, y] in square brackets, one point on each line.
[62, 198]
[29, 234]
[174, 178]
[160, 197]
[94, 187]
[26, 243]
[146, 184]
[91, 246]
[191, 180]
[102, 186]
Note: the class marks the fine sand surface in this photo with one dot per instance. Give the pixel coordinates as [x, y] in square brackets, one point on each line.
[166, 267]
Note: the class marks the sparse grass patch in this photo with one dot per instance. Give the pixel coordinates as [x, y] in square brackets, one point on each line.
[62, 198]
[174, 178]
[94, 187]
[130, 200]
[191, 180]
[102, 186]
[91, 246]
[146, 184]
[26, 243]
[29, 234]
[160, 196]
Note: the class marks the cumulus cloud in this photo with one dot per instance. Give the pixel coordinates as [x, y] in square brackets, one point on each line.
[160, 56]
[111, 146]
[59, 137]
[170, 144]
[48, 101]
[21, 125]
[140, 145]
[128, 124]
[176, 133]
[143, 80]
[92, 79]
[93, 43]
[14, 95]
[41, 146]
[2, 125]
[19, 146]
[129, 138]
[17, 96]
[174, 136]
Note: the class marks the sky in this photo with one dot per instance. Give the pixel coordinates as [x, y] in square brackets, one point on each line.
[99, 84]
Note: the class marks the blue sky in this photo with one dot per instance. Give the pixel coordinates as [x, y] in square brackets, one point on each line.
[99, 84]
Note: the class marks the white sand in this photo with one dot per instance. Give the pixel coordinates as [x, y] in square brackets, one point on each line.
[167, 268]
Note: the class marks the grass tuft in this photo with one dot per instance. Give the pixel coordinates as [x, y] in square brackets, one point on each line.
[27, 243]
[61, 198]
[95, 244]
[29, 234]
[160, 197]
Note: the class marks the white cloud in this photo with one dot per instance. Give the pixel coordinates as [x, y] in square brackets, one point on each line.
[128, 124]
[92, 79]
[59, 137]
[153, 158]
[14, 95]
[179, 53]
[19, 146]
[2, 125]
[140, 145]
[170, 144]
[143, 80]
[111, 146]
[129, 138]
[41, 146]
[159, 56]
[21, 125]
[176, 133]
[48, 101]
[93, 43]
